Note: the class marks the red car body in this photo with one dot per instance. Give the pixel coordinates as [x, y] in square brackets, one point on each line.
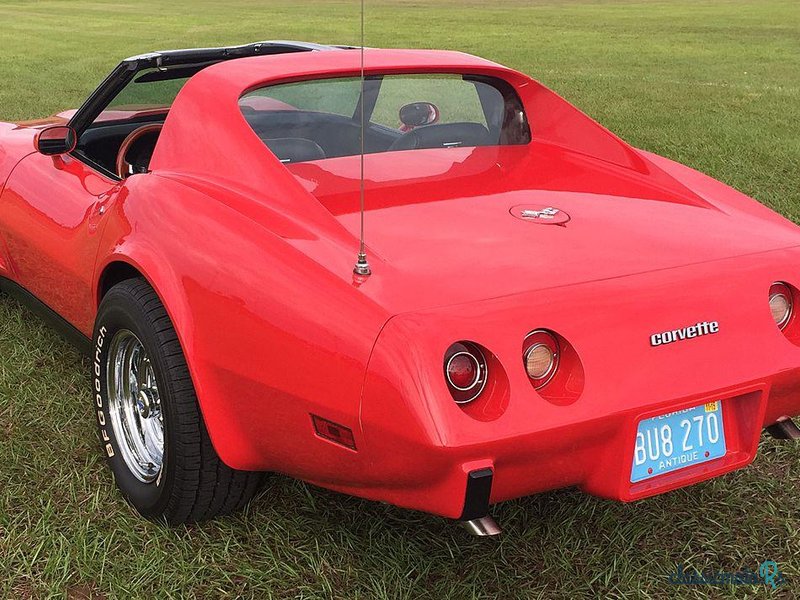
[253, 260]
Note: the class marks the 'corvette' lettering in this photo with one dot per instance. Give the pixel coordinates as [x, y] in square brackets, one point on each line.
[677, 335]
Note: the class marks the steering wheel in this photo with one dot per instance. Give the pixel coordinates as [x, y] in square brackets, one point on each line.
[124, 168]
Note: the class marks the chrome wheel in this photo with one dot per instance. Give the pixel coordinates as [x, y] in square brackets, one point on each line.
[135, 406]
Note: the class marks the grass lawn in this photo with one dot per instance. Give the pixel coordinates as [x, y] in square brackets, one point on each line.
[715, 85]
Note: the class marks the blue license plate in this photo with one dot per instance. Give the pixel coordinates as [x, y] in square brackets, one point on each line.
[677, 440]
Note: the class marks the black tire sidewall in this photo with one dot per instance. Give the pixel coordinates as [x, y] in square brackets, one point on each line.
[120, 311]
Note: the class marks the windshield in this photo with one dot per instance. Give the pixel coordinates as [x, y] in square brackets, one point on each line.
[317, 119]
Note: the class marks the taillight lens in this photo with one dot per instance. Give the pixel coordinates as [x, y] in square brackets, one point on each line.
[465, 371]
[780, 303]
[541, 356]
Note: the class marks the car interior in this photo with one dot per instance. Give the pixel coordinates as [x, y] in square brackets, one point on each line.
[106, 144]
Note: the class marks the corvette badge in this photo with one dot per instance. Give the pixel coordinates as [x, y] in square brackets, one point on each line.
[678, 335]
[544, 215]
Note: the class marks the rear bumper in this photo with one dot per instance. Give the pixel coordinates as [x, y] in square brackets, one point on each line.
[595, 455]
[602, 466]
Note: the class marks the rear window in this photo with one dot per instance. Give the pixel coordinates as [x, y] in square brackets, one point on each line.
[318, 119]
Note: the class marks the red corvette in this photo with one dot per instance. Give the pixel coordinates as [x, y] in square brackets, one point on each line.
[542, 305]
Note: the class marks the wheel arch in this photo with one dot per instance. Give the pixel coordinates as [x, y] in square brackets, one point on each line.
[140, 261]
[112, 274]
[141, 258]
[121, 267]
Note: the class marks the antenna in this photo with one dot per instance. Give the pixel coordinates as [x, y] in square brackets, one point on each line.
[362, 266]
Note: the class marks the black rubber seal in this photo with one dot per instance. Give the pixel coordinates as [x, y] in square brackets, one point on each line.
[476, 497]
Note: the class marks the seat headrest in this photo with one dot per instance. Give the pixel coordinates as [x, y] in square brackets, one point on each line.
[444, 135]
[292, 150]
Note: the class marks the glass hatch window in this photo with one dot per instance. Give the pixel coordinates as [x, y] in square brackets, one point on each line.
[317, 119]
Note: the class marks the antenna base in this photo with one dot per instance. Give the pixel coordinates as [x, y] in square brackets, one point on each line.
[362, 266]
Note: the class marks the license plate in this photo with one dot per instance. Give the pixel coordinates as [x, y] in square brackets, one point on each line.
[677, 440]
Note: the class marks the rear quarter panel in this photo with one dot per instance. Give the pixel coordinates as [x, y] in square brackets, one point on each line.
[720, 195]
[269, 334]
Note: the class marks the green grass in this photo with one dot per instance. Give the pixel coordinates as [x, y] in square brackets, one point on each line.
[715, 85]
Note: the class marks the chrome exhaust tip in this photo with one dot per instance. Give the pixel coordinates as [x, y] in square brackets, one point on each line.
[784, 429]
[483, 527]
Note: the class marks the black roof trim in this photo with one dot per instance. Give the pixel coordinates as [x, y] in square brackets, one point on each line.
[125, 71]
[164, 58]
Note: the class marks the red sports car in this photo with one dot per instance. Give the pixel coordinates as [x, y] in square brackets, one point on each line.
[541, 305]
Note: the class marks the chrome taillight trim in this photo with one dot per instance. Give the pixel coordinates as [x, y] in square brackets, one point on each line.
[477, 371]
[786, 292]
[539, 383]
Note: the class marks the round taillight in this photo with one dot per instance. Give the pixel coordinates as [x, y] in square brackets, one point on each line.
[780, 303]
[541, 356]
[462, 371]
[539, 361]
[465, 371]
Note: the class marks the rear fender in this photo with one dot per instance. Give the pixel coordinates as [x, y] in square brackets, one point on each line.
[270, 336]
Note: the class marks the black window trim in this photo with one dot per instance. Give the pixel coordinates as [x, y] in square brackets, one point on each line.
[128, 69]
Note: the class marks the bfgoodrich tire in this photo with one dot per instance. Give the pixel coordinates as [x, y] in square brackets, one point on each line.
[152, 432]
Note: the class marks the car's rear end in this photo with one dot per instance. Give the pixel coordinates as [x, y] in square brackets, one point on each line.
[629, 341]
[583, 426]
